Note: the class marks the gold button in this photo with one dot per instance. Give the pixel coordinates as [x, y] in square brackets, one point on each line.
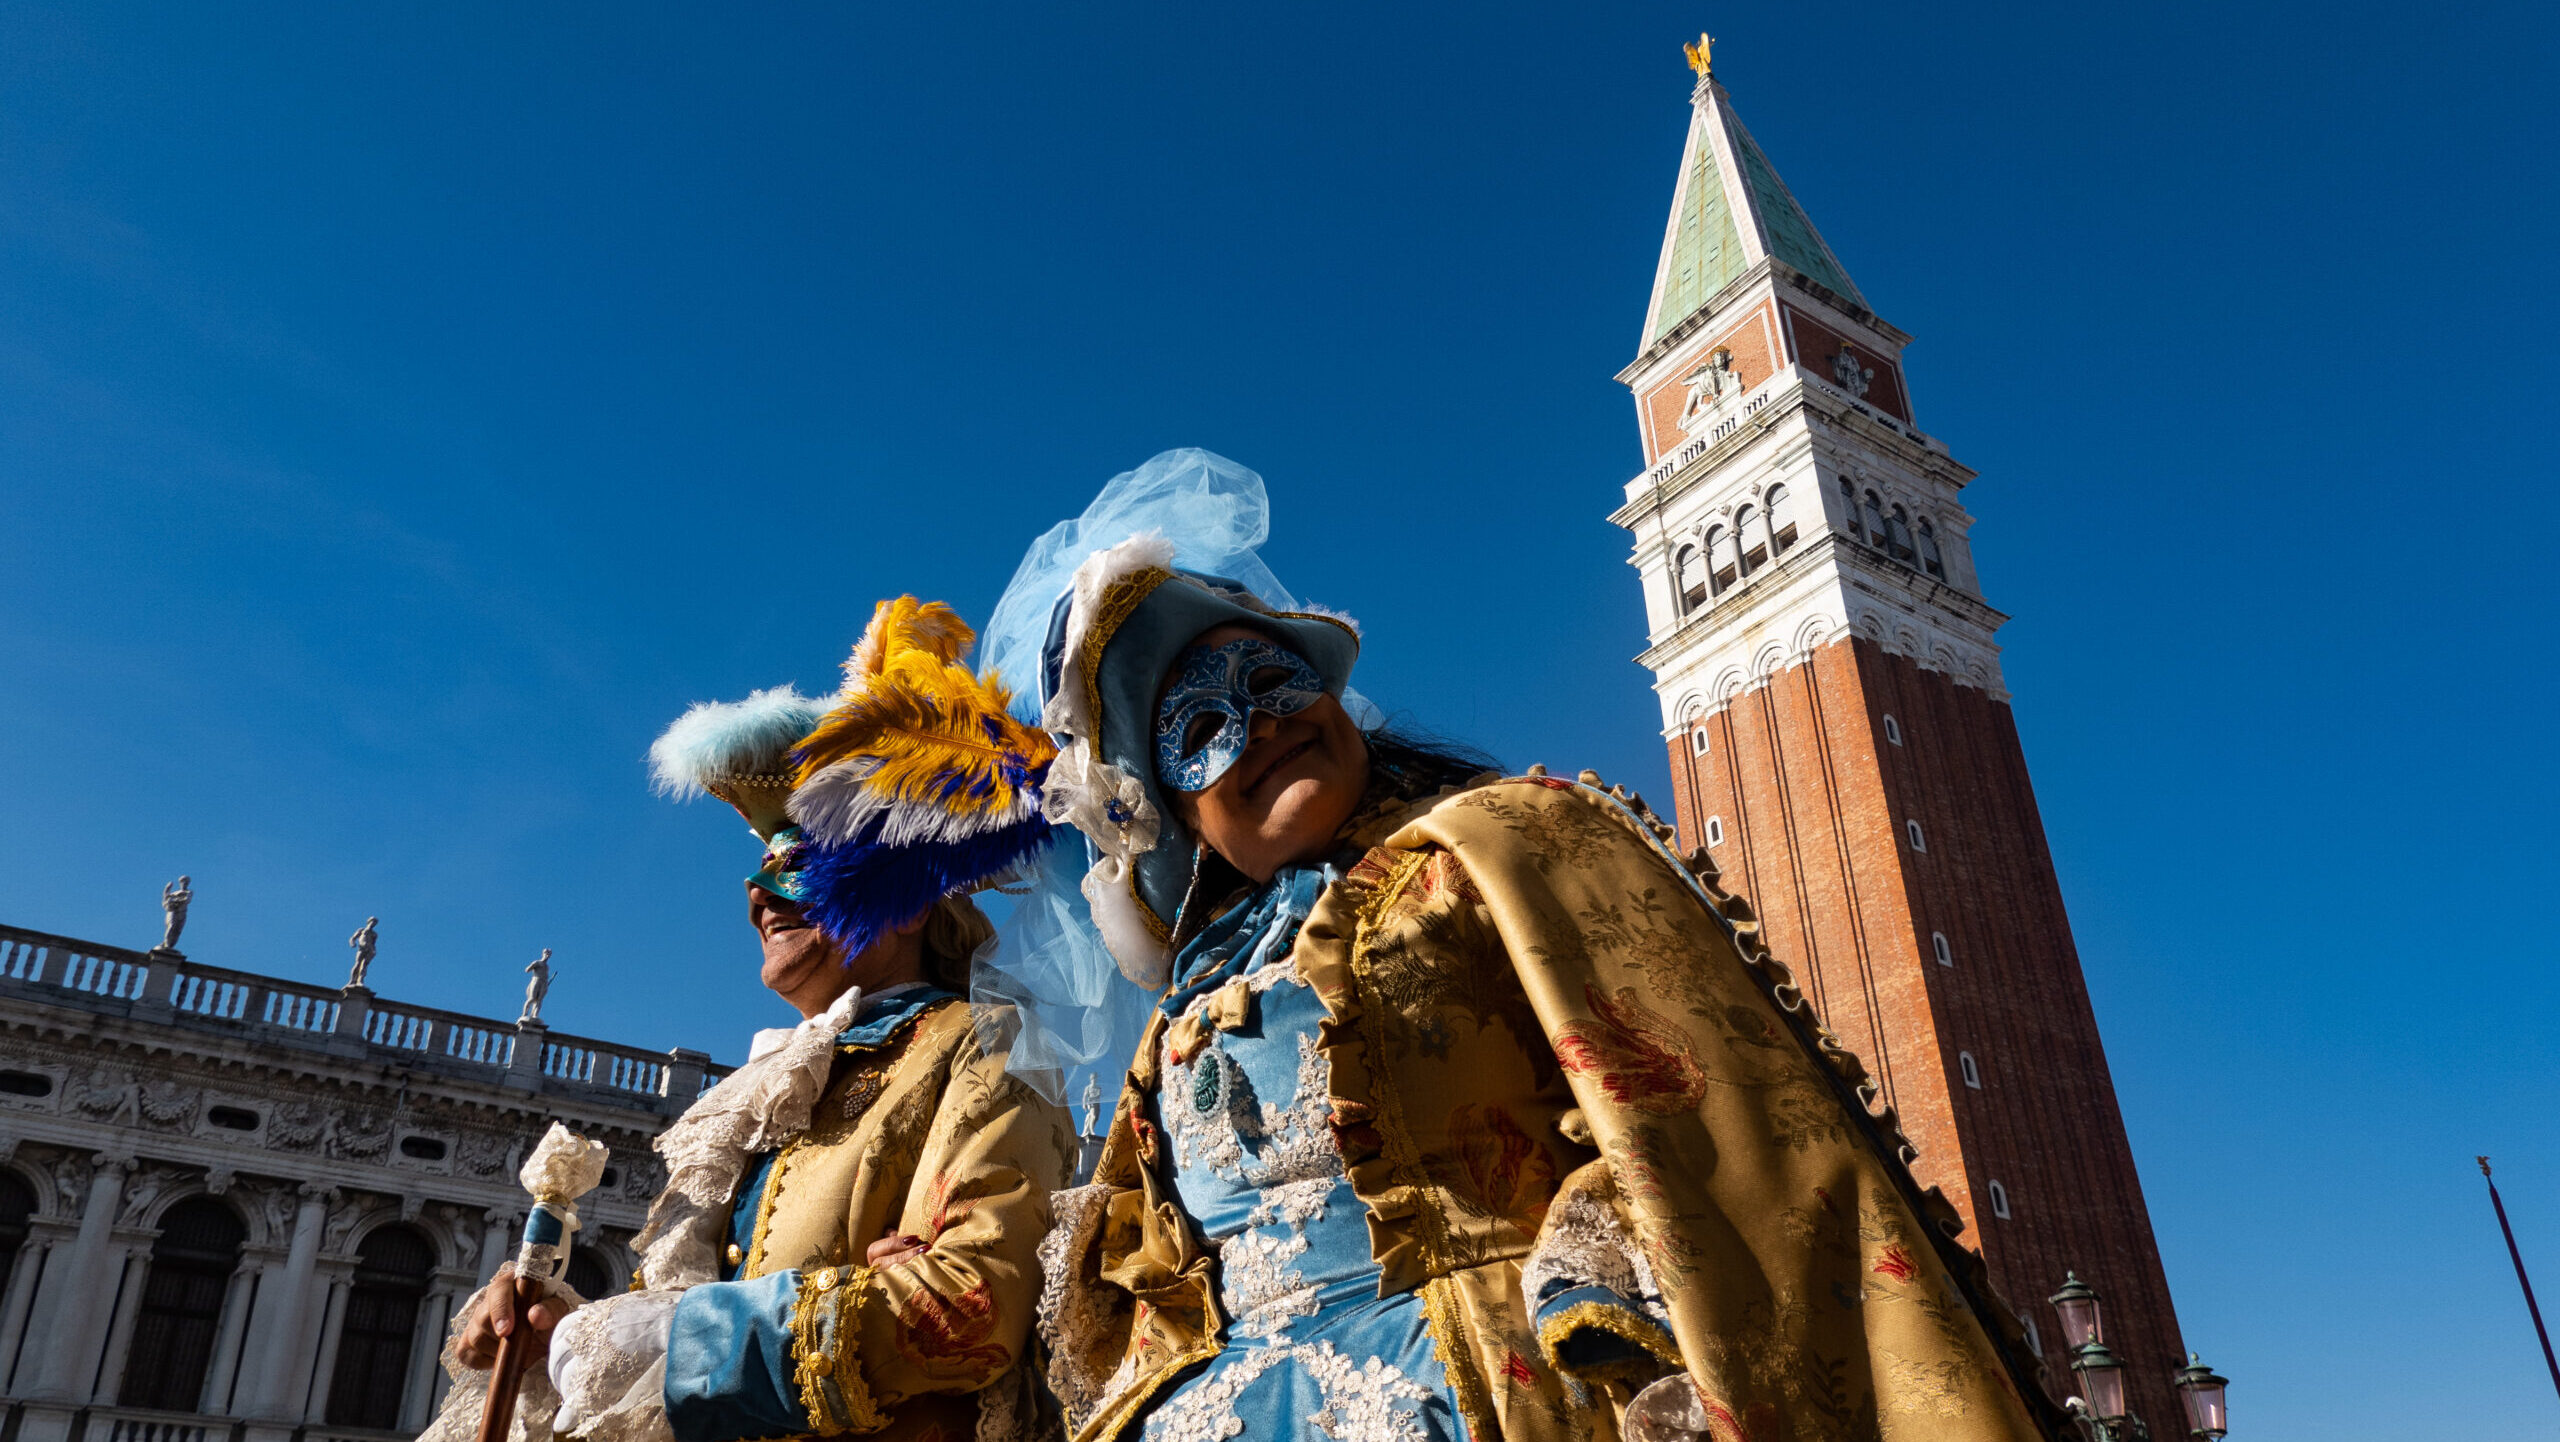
[735, 1256]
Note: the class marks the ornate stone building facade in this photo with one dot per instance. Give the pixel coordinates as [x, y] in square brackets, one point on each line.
[1841, 741]
[239, 1208]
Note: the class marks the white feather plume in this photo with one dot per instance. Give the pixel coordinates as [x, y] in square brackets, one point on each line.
[716, 739]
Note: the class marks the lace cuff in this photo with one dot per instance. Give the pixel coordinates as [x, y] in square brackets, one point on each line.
[1592, 1298]
[609, 1365]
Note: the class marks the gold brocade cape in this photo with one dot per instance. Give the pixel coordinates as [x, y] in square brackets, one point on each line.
[927, 1136]
[1550, 1056]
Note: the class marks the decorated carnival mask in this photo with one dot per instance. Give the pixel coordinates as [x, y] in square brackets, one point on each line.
[785, 854]
[1204, 720]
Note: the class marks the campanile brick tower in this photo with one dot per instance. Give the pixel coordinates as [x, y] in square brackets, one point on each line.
[1841, 743]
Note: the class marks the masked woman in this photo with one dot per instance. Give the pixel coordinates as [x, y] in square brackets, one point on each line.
[1463, 1110]
[845, 1239]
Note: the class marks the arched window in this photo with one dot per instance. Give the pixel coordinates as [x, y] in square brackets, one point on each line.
[1782, 528]
[17, 1204]
[1999, 1201]
[1892, 729]
[1919, 839]
[1698, 738]
[191, 1267]
[392, 1264]
[1751, 538]
[1929, 558]
[587, 1277]
[1938, 944]
[1691, 576]
[1900, 531]
[1715, 831]
[1875, 520]
[1719, 559]
[1849, 510]
[1972, 1072]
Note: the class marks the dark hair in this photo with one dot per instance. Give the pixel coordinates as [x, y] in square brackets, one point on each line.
[1419, 761]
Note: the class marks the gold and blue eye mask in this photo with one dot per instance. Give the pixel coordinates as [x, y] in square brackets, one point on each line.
[1207, 711]
[784, 856]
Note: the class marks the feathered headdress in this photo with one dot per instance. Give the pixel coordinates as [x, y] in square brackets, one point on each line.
[917, 783]
[739, 751]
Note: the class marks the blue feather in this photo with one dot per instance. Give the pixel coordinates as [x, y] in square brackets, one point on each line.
[864, 890]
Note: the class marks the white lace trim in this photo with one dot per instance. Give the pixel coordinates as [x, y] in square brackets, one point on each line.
[1262, 1292]
[1073, 1315]
[609, 1365]
[1585, 1245]
[753, 1110]
[1371, 1401]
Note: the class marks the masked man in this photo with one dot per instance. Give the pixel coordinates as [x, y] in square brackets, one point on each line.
[845, 1241]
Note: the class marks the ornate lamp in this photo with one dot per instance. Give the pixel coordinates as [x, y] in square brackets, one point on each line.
[2101, 1383]
[2200, 1392]
[2082, 1320]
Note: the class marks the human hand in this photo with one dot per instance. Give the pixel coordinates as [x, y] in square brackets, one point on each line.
[506, 1301]
[892, 1249]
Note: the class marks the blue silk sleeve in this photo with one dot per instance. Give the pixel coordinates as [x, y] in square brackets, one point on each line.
[729, 1368]
[1591, 1328]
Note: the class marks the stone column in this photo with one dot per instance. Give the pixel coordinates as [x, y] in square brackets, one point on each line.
[67, 1322]
[280, 1332]
[229, 1334]
[493, 1241]
[70, 1323]
[324, 1361]
[23, 1280]
[128, 1308]
[434, 1311]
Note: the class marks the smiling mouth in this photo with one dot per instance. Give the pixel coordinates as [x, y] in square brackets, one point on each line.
[776, 923]
[1283, 759]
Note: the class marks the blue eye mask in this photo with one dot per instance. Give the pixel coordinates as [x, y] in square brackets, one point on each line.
[1202, 721]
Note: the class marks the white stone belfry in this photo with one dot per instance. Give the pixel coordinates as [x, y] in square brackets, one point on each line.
[1787, 501]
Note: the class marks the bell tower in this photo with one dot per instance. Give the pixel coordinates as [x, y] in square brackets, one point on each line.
[1841, 742]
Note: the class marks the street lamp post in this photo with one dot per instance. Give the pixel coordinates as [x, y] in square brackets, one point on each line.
[2101, 1407]
[2200, 1392]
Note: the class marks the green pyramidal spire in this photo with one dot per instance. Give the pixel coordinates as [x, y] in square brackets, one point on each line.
[1731, 211]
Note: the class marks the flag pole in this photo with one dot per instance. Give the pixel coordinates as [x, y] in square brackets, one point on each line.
[2521, 1279]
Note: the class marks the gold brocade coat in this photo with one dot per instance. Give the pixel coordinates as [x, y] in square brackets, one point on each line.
[1557, 1073]
[925, 1135]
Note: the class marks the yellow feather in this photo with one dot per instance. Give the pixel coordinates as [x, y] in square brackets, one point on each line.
[923, 717]
[906, 624]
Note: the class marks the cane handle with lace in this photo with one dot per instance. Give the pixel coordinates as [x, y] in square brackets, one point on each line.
[564, 1167]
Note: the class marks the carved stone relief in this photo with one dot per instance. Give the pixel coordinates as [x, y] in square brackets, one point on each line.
[362, 1135]
[167, 1105]
[295, 1127]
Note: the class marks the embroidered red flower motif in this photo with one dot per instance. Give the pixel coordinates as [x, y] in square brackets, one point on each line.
[1635, 1056]
[951, 1335]
[1517, 1368]
[1722, 1425]
[1897, 1264]
[1507, 1173]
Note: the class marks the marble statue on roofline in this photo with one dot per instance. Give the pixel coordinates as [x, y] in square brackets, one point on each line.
[538, 986]
[174, 899]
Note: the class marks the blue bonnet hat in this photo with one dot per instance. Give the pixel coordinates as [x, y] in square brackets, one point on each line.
[1098, 611]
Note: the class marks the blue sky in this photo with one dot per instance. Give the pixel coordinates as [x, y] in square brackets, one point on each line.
[405, 411]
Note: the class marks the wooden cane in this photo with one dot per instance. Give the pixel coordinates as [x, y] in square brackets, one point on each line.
[563, 1168]
[507, 1373]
